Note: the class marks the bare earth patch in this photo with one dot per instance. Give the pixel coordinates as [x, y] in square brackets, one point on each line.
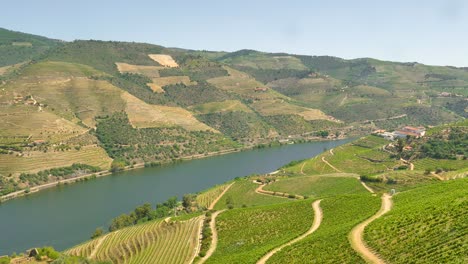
[150, 71]
[164, 60]
[158, 83]
[144, 115]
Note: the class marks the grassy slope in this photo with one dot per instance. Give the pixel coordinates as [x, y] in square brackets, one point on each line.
[317, 186]
[329, 244]
[352, 158]
[427, 225]
[245, 235]
[242, 193]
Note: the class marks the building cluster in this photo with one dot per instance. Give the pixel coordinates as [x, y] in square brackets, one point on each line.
[404, 132]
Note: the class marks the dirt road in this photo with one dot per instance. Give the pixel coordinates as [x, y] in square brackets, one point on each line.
[318, 216]
[214, 237]
[356, 235]
[212, 205]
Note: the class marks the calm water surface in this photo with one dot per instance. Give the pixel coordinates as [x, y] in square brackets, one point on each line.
[65, 216]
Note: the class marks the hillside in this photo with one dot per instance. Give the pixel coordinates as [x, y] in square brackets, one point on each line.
[17, 47]
[60, 102]
[326, 208]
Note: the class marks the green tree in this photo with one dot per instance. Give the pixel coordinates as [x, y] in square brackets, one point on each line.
[97, 233]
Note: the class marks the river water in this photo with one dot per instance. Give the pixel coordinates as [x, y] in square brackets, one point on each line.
[67, 215]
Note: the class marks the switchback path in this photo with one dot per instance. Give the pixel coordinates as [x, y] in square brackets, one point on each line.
[356, 235]
[318, 216]
[214, 237]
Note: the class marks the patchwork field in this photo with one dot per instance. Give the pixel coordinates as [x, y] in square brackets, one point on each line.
[224, 106]
[281, 107]
[150, 71]
[35, 161]
[144, 115]
[427, 225]
[158, 83]
[164, 60]
[166, 242]
[28, 122]
[245, 235]
[64, 89]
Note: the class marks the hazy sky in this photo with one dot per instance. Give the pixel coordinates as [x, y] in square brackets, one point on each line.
[430, 31]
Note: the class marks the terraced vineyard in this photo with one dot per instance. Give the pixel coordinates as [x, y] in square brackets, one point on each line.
[433, 164]
[245, 235]
[363, 156]
[37, 161]
[427, 225]
[329, 244]
[161, 241]
[318, 186]
[401, 180]
[242, 193]
[205, 199]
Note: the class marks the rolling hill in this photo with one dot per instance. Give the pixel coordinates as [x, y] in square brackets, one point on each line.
[62, 99]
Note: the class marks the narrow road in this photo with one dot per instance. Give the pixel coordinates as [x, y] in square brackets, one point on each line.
[367, 187]
[331, 166]
[260, 190]
[212, 205]
[214, 237]
[356, 235]
[302, 167]
[318, 216]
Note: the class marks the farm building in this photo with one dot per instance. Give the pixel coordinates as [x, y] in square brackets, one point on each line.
[410, 131]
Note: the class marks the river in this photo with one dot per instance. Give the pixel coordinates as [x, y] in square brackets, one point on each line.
[67, 215]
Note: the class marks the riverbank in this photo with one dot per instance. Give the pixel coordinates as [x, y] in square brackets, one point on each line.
[103, 173]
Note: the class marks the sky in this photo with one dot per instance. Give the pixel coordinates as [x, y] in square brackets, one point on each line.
[433, 32]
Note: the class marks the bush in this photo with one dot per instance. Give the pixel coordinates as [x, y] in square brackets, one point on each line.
[5, 260]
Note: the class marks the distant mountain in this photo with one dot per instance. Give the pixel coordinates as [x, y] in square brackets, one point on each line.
[107, 103]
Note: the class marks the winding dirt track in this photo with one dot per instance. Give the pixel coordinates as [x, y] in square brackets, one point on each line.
[214, 237]
[212, 205]
[331, 166]
[318, 215]
[356, 235]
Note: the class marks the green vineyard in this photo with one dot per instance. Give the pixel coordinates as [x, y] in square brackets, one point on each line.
[242, 194]
[245, 235]
[434, 164]
[427, 225]
[329, 244]
[318, 186]
[205, 199]
[153, 242]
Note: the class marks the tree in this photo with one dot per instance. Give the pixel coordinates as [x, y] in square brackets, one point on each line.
[97, 233]
[171, 202]
[187, 200]
[117, 165]
[143, 211]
